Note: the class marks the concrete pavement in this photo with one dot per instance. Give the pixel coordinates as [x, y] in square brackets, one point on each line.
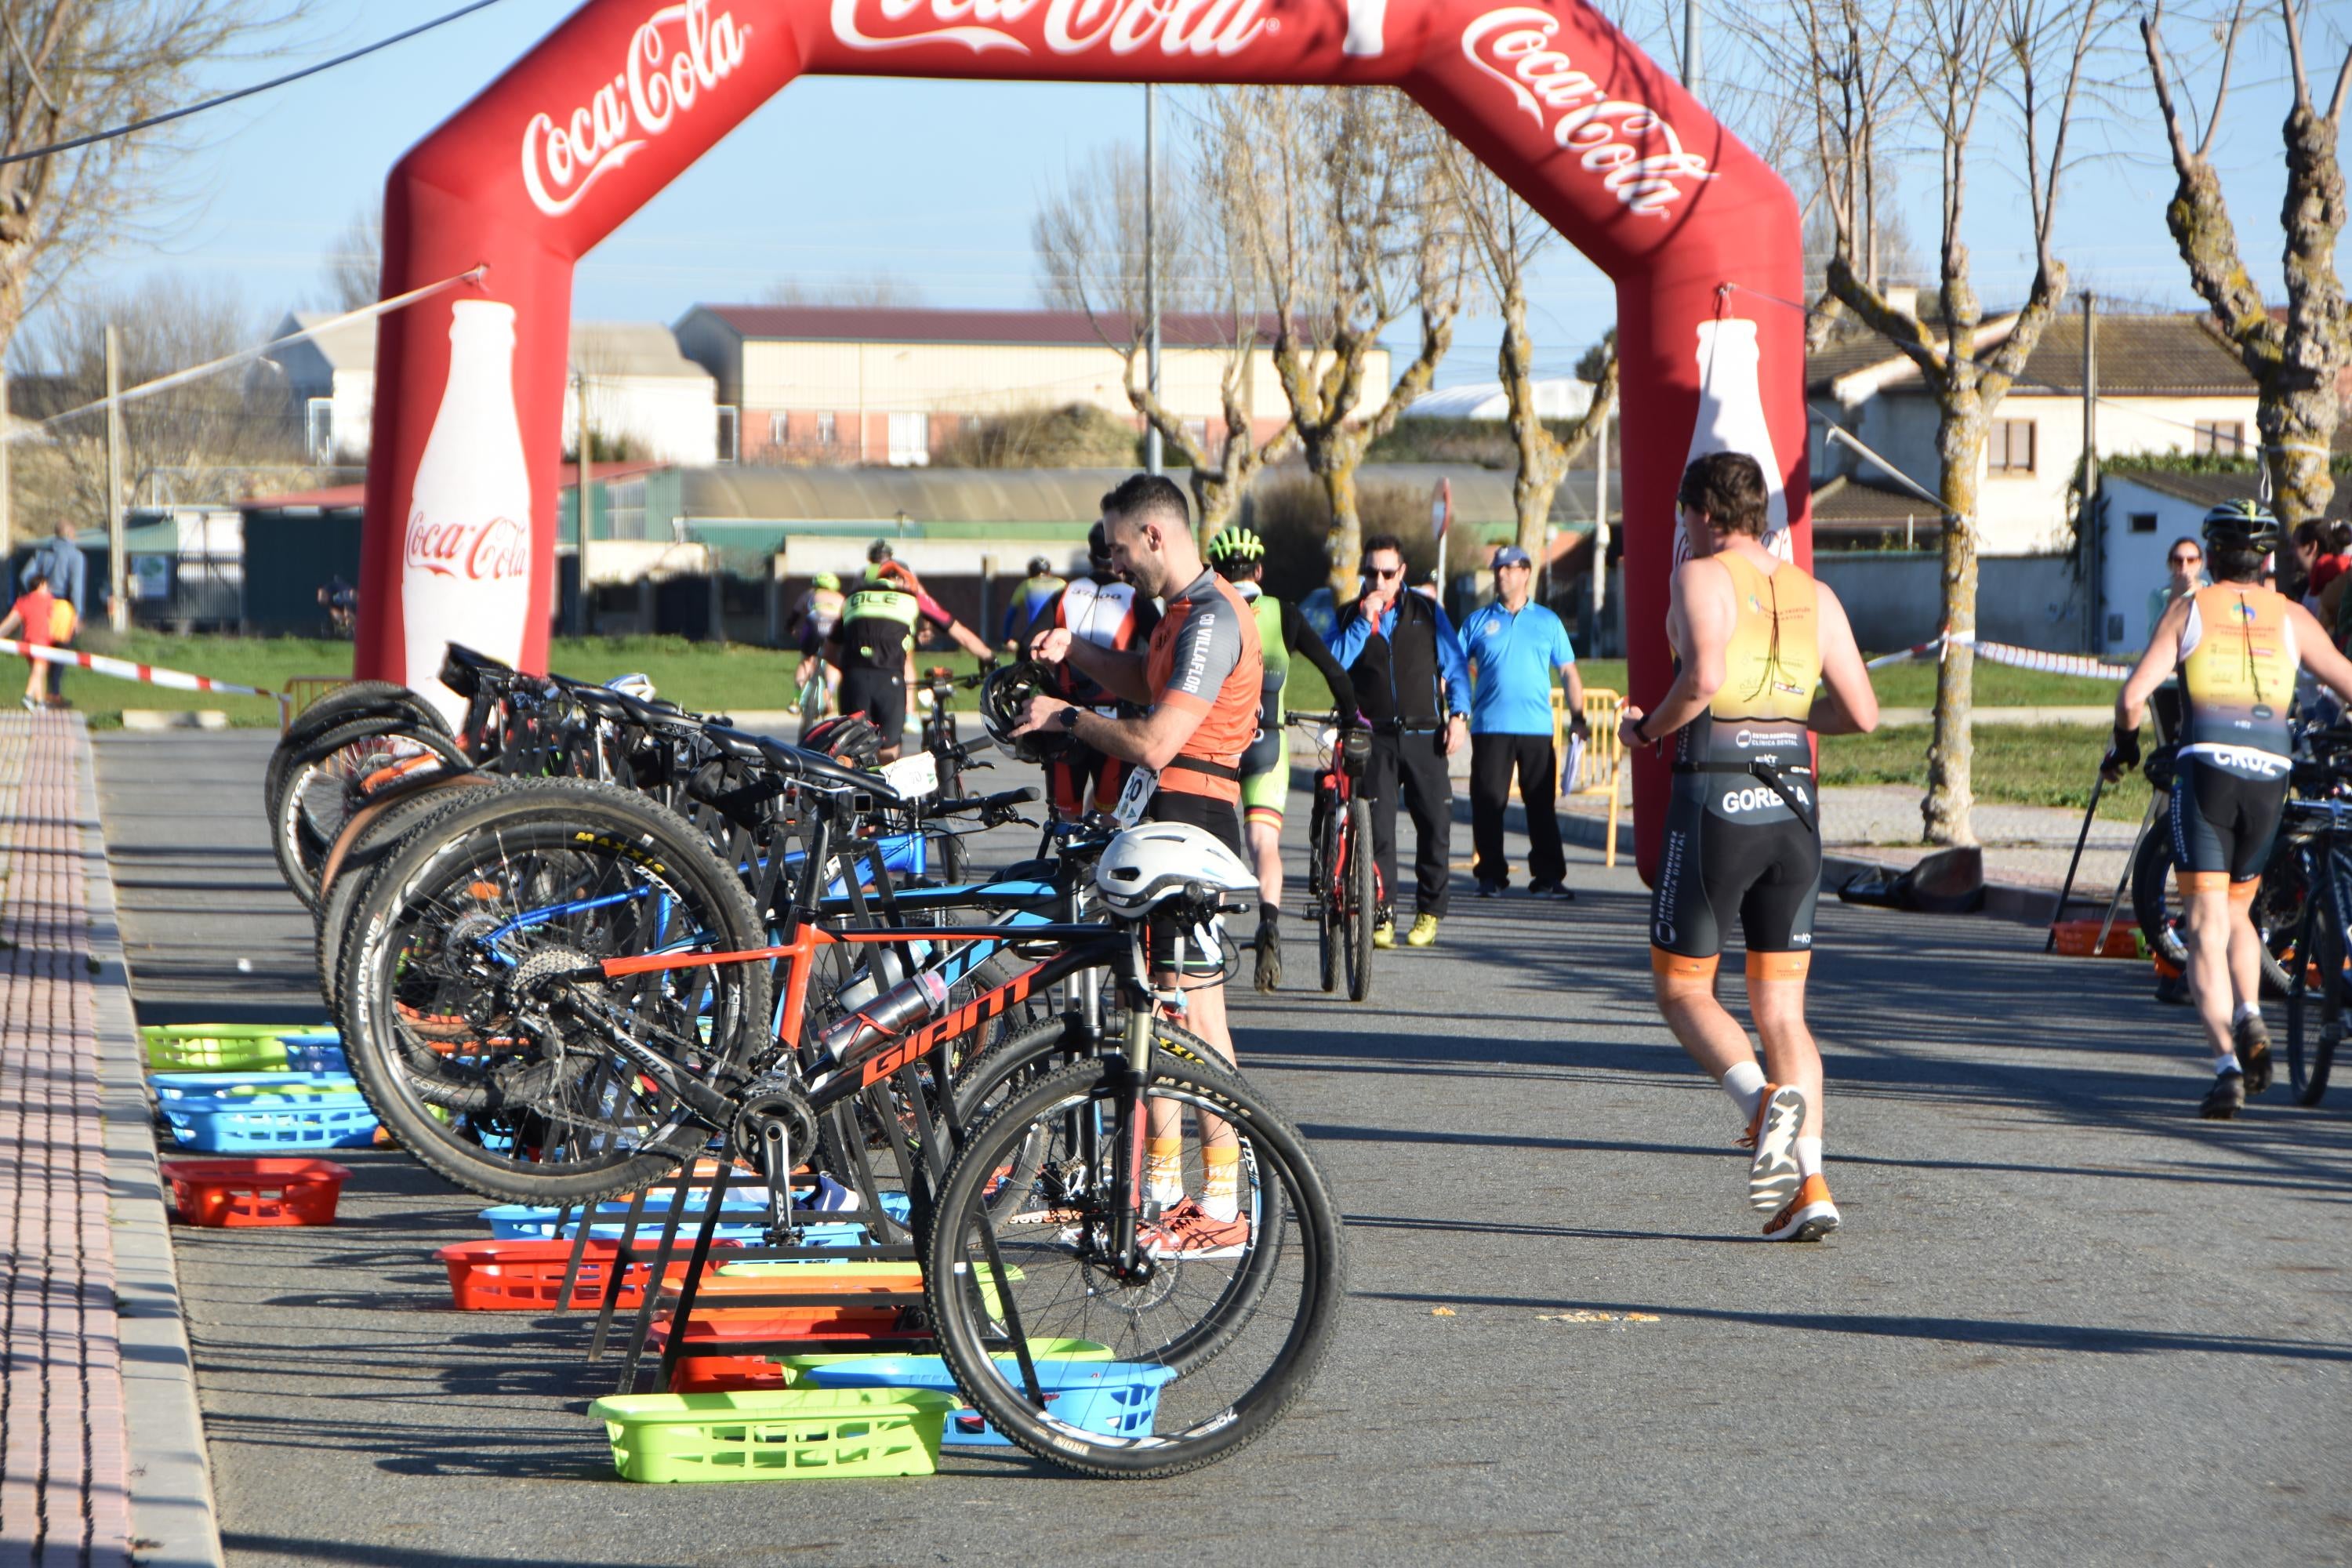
[2067, 1321]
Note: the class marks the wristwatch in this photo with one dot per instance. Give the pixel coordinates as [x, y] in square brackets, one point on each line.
[1641, 731]
[1068, 718]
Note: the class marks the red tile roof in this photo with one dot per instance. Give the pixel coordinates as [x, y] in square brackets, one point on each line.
[1051, 329]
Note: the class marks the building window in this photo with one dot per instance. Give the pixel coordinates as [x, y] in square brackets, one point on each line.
[780, 429]
[2220, 437]
[727, 421]
[2011, 448]
[2143, 522]
[319, 430]
[911, 440]
[825, 429]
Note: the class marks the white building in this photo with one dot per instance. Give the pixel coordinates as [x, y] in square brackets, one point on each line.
[2165, 384]
[2144, 515]
[640, 389]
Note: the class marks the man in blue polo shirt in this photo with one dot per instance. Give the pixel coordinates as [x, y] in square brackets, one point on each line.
[1512, 648]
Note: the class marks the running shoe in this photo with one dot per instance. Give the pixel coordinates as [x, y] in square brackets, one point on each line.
[1384, 930]
[1810, 1215]
[1772, 1133]
[1423, 932]
[1490, 889]
[2225, 1098]
[1559, 892]
[1187, 1230]
[1269, 958]
[2253, 1042]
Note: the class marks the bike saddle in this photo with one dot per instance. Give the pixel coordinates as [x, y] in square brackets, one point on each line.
[809, 766]
[462, 669]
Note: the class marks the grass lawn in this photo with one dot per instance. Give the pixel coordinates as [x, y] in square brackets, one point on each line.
[2017, 764]
[1914, 686]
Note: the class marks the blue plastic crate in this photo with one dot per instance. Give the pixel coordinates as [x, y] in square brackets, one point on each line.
[319, 1051]
[262, 1123]
[1113, 1398]
[179, 1086]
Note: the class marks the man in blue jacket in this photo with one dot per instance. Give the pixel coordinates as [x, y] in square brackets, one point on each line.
[1513, 646]
[1406, 663]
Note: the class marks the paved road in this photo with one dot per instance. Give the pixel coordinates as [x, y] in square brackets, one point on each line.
[2065, 1321]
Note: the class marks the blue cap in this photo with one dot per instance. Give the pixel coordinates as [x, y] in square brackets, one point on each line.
[1512, 555]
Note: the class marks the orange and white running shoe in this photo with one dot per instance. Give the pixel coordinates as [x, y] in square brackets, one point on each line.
[1187, 1230]
[1810, 1215]
[1772, 1133]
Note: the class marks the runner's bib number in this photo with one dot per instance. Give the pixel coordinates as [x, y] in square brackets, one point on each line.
[1141, 783]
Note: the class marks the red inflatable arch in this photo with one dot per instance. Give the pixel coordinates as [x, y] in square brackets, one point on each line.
[1700, 236]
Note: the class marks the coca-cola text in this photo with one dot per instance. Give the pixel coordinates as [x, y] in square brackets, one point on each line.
[1199, 28]
[560, 161]
[489, 552]
[1513, 46]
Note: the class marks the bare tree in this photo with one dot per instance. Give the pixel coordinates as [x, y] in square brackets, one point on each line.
[204, 441]
[880, 291]
[2294, 360]
[1353, 225]
[353, 269]
[1975, 60]
[1089, 237]
[71, 68]
[1508, 237]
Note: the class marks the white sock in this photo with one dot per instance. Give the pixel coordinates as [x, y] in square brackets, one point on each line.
[2245, 1010]
[1745, 1083]
[1809, 1156]
[2226, 1064]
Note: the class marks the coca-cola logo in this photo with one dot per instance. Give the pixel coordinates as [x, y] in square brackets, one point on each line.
[1198, 27]
[668, 68]
[489, 552]
[1514, 45]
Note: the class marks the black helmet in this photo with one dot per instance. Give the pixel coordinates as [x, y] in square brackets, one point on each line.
[1099, 545]
[848, 738]
[2241, 525]
[1040, 567]
[1002, 695]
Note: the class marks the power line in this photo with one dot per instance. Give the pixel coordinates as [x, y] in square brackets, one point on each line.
[168, 116]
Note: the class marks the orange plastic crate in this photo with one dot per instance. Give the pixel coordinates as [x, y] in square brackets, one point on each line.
[2077, 938]
[262, 1192]
[726, 1373]
[510, 1276]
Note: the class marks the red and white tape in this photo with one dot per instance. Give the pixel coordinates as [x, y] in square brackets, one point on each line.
[128, 669]
[2080, 664]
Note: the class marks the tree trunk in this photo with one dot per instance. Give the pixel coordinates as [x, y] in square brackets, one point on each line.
[1333, 463]
[1215, 497]
[1951, 798]
[1542, 463]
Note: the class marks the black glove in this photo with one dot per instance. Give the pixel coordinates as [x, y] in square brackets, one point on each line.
[2122, 753]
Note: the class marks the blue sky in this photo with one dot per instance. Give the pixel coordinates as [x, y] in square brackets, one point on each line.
[840, 179]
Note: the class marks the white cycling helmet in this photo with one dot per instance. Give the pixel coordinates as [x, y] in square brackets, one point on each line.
[635, 684]
[1147, 864]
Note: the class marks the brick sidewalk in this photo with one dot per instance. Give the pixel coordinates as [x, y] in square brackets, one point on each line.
[64, 1478]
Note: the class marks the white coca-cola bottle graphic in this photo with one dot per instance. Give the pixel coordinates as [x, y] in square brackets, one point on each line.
[465, 556]
[1731, 419]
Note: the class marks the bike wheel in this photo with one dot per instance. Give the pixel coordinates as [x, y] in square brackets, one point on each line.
[2156, 905]
[467, 984]
[358, 852]
[360, 699]
[1322, 888]
[330, 780]
[1362, 899]
[2315, 1002]
[1235, 1332]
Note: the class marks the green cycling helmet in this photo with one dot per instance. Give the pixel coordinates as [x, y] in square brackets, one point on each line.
[1236, 543]
[2241, 525]
[827, 580]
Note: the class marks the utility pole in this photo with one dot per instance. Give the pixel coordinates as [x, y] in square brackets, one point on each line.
[2094, 609]
[118, 600]
[1151, 266]
[8, 513]
[579, 616]
[1690, 48]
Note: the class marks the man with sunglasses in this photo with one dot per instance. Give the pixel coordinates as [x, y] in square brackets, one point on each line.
[1412, 684]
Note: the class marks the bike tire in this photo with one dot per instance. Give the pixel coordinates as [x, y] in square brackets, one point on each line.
[1266, 1318]
[364, 847]
[1362, 896]
[360, 699]
[485, 834]
[1324, 890]
[2152, 902]
[309, 808]
[2314, 1003]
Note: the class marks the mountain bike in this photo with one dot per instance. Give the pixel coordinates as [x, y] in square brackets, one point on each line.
[1343, 881]
[2155, 895]
[2318, 835]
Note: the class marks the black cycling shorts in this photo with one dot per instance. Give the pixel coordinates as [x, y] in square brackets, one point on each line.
[2223, 821]
[1768, 873]
[880, 695]
[1204, 947]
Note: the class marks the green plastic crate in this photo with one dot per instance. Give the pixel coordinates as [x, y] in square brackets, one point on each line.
[775, 1434]
[216, 1048]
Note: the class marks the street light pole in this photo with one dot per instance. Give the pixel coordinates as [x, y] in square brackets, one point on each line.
[118, 613]
[1691, 76]
[1151, 455]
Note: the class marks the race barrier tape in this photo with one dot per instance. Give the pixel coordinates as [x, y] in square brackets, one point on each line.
[2082, 664]
[128, 669]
